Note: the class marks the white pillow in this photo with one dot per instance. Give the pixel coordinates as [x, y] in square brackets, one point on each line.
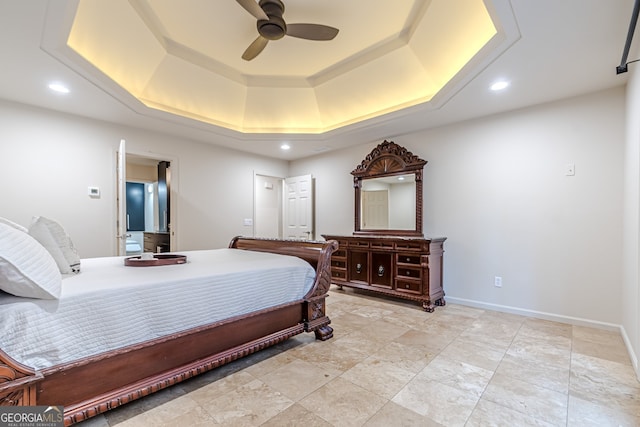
[52, 236]
[26, 268]
[13, 224]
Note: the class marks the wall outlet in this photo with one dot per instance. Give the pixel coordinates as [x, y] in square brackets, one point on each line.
[570, 169]
[497, 282]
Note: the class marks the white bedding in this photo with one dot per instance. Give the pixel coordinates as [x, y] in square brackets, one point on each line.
[109, 305]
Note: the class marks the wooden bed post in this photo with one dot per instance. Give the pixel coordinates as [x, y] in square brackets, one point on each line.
[317, 319]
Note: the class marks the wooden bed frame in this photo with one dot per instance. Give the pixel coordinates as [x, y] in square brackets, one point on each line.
[96, 384]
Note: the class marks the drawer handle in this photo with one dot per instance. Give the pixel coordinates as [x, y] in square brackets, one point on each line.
[358, 268]
[406, 286]
[381, 270]
[408, 272]
[408, 259]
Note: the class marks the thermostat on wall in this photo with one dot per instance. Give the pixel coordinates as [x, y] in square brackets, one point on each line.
[94, 192]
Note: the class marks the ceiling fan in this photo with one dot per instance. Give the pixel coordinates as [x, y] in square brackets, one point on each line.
[271, 26]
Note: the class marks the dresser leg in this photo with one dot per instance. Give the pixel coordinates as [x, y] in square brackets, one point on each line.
[441, 302]
[428, 306]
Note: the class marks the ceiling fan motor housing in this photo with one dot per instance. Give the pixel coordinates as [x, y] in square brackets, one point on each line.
[274, 28]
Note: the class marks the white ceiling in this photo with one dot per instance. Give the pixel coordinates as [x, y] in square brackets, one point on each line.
[555, 49]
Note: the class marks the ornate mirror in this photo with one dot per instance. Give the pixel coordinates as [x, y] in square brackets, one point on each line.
[388, 192]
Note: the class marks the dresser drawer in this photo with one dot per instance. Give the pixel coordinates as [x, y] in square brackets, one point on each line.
[412, 272]
[381, 245]
[339, 253]
[412, 286]
[408, 245]
[408, 259]
[339, 274]
[340, 263]
[359, 244]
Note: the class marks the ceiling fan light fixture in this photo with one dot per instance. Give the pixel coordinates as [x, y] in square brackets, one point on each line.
[274, 27]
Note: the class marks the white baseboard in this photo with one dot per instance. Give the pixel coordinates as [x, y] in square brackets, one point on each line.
[555, 318]
[536, 314]
[632, 354]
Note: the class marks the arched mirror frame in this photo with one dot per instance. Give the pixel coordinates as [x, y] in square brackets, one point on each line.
[388, 159]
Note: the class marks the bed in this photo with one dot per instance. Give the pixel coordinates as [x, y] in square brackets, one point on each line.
[136, 354]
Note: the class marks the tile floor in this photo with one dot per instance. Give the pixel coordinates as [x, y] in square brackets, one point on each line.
[392, 364]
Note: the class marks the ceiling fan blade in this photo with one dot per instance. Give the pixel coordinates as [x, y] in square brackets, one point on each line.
[255, 48]
[311, 31]
[253, 8]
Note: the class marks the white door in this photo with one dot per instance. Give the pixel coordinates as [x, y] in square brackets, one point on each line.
[121, 199]
[298, 207]
[375, 214]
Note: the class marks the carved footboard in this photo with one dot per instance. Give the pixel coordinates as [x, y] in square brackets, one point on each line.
[96, 384]
[318, 254]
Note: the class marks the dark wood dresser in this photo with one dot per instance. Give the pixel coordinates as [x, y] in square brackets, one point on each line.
[402, 267]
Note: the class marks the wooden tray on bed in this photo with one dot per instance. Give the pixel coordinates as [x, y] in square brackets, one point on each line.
[158, 259]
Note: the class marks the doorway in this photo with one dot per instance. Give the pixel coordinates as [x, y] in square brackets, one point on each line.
[148, 205]
[283, 207]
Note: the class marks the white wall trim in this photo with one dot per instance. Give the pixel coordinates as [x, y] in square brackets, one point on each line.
[536, 314]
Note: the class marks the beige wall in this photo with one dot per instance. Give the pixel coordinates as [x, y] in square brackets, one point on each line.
[496, 189]
[50, 159]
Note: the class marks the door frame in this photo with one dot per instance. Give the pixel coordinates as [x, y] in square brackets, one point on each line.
[173, 191]
[282, 213]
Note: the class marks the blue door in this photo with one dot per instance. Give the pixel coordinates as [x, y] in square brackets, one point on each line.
[135, 206]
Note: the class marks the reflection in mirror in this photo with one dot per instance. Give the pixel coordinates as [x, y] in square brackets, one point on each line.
[388, 203]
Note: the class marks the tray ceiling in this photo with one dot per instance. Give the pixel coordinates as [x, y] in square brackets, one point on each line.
[184, 58]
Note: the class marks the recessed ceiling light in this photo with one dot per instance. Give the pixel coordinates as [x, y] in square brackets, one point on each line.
[502, 84]
[285, 147]
[401, 178]
[58, 87]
